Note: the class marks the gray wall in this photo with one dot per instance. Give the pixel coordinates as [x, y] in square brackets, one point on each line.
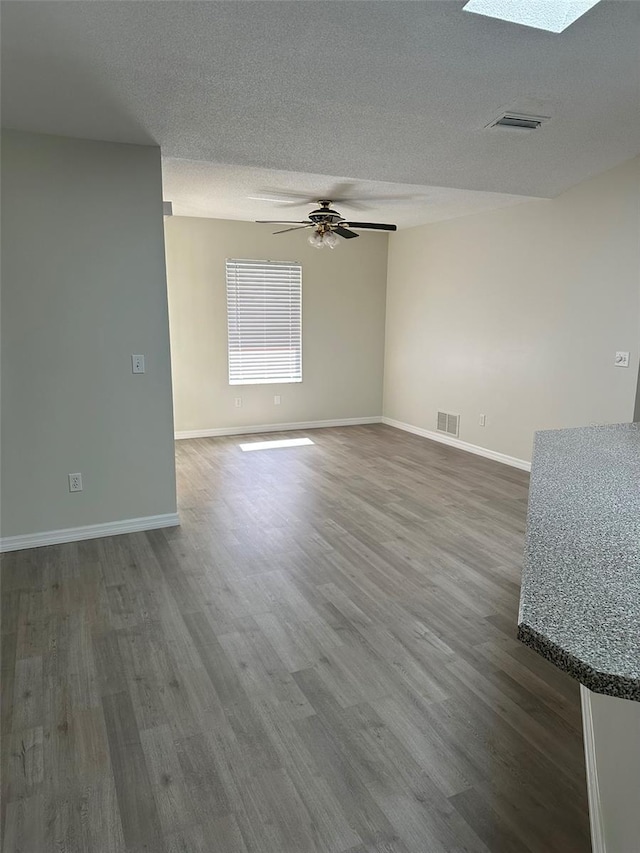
[517, 314]
[343, 305]
[83, 287]
[616, 758]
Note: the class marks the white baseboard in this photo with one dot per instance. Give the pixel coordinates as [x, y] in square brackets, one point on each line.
[90, 531]
[461, 445]
[247, 430]
[598, 844]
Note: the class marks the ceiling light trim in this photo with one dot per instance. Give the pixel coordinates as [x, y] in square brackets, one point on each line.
[553, 16]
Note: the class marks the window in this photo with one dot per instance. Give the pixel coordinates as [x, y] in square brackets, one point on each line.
[264, 316]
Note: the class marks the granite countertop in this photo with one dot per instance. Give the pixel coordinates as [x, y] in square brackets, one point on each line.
[580, 596]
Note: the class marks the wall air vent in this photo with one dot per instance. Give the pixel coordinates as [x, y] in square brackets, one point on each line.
[518, 121]
[448, 423]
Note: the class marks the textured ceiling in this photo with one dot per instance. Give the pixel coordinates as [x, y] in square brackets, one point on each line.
[198, 188]
[377, 91]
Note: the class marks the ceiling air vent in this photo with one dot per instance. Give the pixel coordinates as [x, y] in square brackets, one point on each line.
[448, 423]
[519, 121]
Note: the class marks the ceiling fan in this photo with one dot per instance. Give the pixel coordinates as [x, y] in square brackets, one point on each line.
[327, 226]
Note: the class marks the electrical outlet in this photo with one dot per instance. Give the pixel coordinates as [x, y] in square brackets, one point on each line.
[622, 359]
[137, 364]
[483, 420]
[75, 482]
[237, 402]
[276, 399]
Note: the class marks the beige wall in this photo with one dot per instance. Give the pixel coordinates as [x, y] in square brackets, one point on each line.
[343, 305]
[83, 287]
[517, 314]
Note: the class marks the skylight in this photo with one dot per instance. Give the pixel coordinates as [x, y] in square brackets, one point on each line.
[551, 15]
[272, 445]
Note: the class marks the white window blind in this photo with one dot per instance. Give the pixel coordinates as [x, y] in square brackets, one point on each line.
[264, 314]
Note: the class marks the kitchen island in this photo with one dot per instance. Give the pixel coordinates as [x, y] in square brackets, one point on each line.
[580, 604]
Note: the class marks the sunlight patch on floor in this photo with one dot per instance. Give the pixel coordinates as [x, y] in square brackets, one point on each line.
[273, 445]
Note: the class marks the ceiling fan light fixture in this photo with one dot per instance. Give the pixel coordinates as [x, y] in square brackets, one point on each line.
[321, 238]
[330, 239]
[328, 226]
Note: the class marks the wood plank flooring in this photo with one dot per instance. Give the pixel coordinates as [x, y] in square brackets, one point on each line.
[321, 659]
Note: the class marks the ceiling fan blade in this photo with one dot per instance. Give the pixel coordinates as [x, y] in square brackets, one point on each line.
[353, 203]
[351, 194]
[344, 193]
[377, 226]
[284, 196]
[283, 222]
[295, 228]
[378, 199]
[344, 232]
[345, 190]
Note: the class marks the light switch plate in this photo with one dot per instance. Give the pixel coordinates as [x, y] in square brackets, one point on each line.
[622, 359]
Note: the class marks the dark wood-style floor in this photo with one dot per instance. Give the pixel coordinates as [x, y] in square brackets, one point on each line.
[320, 660]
